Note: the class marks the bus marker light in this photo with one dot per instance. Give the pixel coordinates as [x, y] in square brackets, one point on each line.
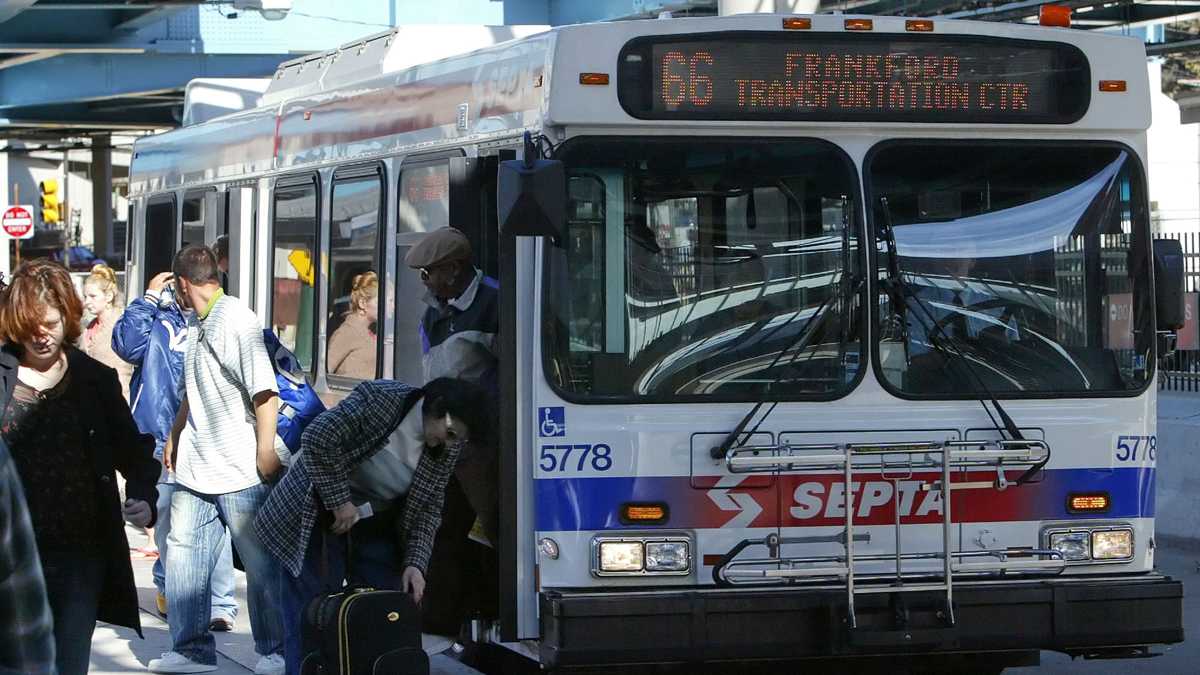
[1112, 544]
[548, 548]
[647, 514]
[796, 23]
[1088, 503]
[859, 24]
[667, 556]
[918, 25]
[621, 556]
[593, 78]
[1054, 15]
[1112, 85]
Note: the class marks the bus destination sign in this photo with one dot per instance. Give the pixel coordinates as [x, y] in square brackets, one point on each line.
[860, 78]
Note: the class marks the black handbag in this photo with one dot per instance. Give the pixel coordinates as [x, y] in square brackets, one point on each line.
[362, 631]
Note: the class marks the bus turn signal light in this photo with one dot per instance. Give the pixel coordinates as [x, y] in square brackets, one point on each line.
[1088, 503]
[859, 24]
[795, 23]
[918, 26]
[593, 78]
[1112, 85]
[1055, 16]
[642, 513]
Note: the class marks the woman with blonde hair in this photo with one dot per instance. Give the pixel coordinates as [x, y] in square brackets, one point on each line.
[352, 345]
[102, 299]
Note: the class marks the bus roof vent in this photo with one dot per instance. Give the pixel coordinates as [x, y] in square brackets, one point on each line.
[387, 52]
[207, 98]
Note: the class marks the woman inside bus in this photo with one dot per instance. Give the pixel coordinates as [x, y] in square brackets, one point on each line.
[69, 431]
[102, 299]
[352, 345]
[374, 469]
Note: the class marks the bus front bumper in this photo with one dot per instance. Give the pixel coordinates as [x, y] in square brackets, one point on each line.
[1078, 616]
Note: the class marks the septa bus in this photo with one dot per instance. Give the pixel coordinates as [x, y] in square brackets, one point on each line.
[823, 337]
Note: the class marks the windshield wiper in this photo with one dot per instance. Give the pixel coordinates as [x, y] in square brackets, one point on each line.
[898, 288]
[798, 343]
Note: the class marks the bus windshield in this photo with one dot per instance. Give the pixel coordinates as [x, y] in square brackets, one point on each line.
[1022, 268]
[716, 268]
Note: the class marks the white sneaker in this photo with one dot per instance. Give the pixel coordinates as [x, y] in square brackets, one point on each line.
[174, 662]
[272, 664]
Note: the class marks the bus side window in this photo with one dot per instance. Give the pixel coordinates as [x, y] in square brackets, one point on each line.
[422, 205]
[294, 268]
[193, 219]
[353, 284]
[159, 248]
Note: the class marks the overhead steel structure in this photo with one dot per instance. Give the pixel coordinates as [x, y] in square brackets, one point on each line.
[69, 68]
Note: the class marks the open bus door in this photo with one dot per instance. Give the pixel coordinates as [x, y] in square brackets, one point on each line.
[530, 203]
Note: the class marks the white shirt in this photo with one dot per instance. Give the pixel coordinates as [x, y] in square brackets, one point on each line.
[225, 367]
[388, 473]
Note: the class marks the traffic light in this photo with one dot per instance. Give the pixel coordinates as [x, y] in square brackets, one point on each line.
[50, 203]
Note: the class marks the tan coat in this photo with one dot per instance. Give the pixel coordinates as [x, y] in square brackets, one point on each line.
[96, 342]
[352, 348]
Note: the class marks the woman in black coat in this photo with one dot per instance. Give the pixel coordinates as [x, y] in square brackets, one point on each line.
[68, 429]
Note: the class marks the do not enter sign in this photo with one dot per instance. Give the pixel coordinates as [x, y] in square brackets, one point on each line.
[17, 222]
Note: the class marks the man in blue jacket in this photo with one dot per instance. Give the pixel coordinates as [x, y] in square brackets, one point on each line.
[152, 335]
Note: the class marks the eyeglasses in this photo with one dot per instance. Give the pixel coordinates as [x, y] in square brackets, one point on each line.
[424, 272]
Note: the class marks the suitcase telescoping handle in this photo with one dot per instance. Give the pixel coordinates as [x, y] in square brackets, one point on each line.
[352, 583]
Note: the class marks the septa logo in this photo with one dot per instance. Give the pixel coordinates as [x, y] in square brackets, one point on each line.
[825, 501]
[552, 422]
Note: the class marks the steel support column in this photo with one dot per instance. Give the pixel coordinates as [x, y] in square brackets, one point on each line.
[102, 179]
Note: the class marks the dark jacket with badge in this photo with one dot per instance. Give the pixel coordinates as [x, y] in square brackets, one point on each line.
[114, 445]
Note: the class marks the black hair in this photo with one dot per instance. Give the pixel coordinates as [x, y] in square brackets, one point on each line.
[220, 247]
[197, 264]
[465, 400]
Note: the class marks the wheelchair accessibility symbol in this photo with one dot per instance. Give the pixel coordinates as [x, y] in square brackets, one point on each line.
[553, 422]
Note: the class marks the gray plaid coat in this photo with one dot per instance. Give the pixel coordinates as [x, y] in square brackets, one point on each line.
[333, 446]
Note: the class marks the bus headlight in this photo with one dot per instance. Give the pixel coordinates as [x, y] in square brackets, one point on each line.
[667, 556]
[621, 556]
[1112, 544]
[1101, 543]
[642, 555]
[1073, 545]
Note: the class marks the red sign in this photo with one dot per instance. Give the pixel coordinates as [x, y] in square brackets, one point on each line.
[1188, 339]
[17, 222]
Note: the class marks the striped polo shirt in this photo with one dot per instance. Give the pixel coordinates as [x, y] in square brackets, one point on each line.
[225, 366]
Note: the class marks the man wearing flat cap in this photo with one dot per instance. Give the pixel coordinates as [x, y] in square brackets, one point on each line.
[458, 339]
[458, 331]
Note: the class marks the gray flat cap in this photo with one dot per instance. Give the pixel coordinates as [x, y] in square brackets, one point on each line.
[440, 246]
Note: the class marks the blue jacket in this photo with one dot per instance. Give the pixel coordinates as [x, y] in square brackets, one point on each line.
[153, 337]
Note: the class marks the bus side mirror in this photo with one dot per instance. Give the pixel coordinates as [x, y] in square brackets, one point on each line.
[531, 198]
[1168, 284]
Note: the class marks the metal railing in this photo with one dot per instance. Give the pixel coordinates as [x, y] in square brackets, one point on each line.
[1180, 371]
[892, 462]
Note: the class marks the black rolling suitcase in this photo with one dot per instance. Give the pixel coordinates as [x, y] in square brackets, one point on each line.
[363, 631]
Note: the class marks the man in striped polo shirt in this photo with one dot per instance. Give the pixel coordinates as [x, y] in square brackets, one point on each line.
[222, 450]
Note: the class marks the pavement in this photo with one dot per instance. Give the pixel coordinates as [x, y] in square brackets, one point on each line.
[119, 650]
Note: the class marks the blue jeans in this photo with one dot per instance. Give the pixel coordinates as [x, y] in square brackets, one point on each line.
[375, 561]
[198, 523]
[224, 604]
[74, 581]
